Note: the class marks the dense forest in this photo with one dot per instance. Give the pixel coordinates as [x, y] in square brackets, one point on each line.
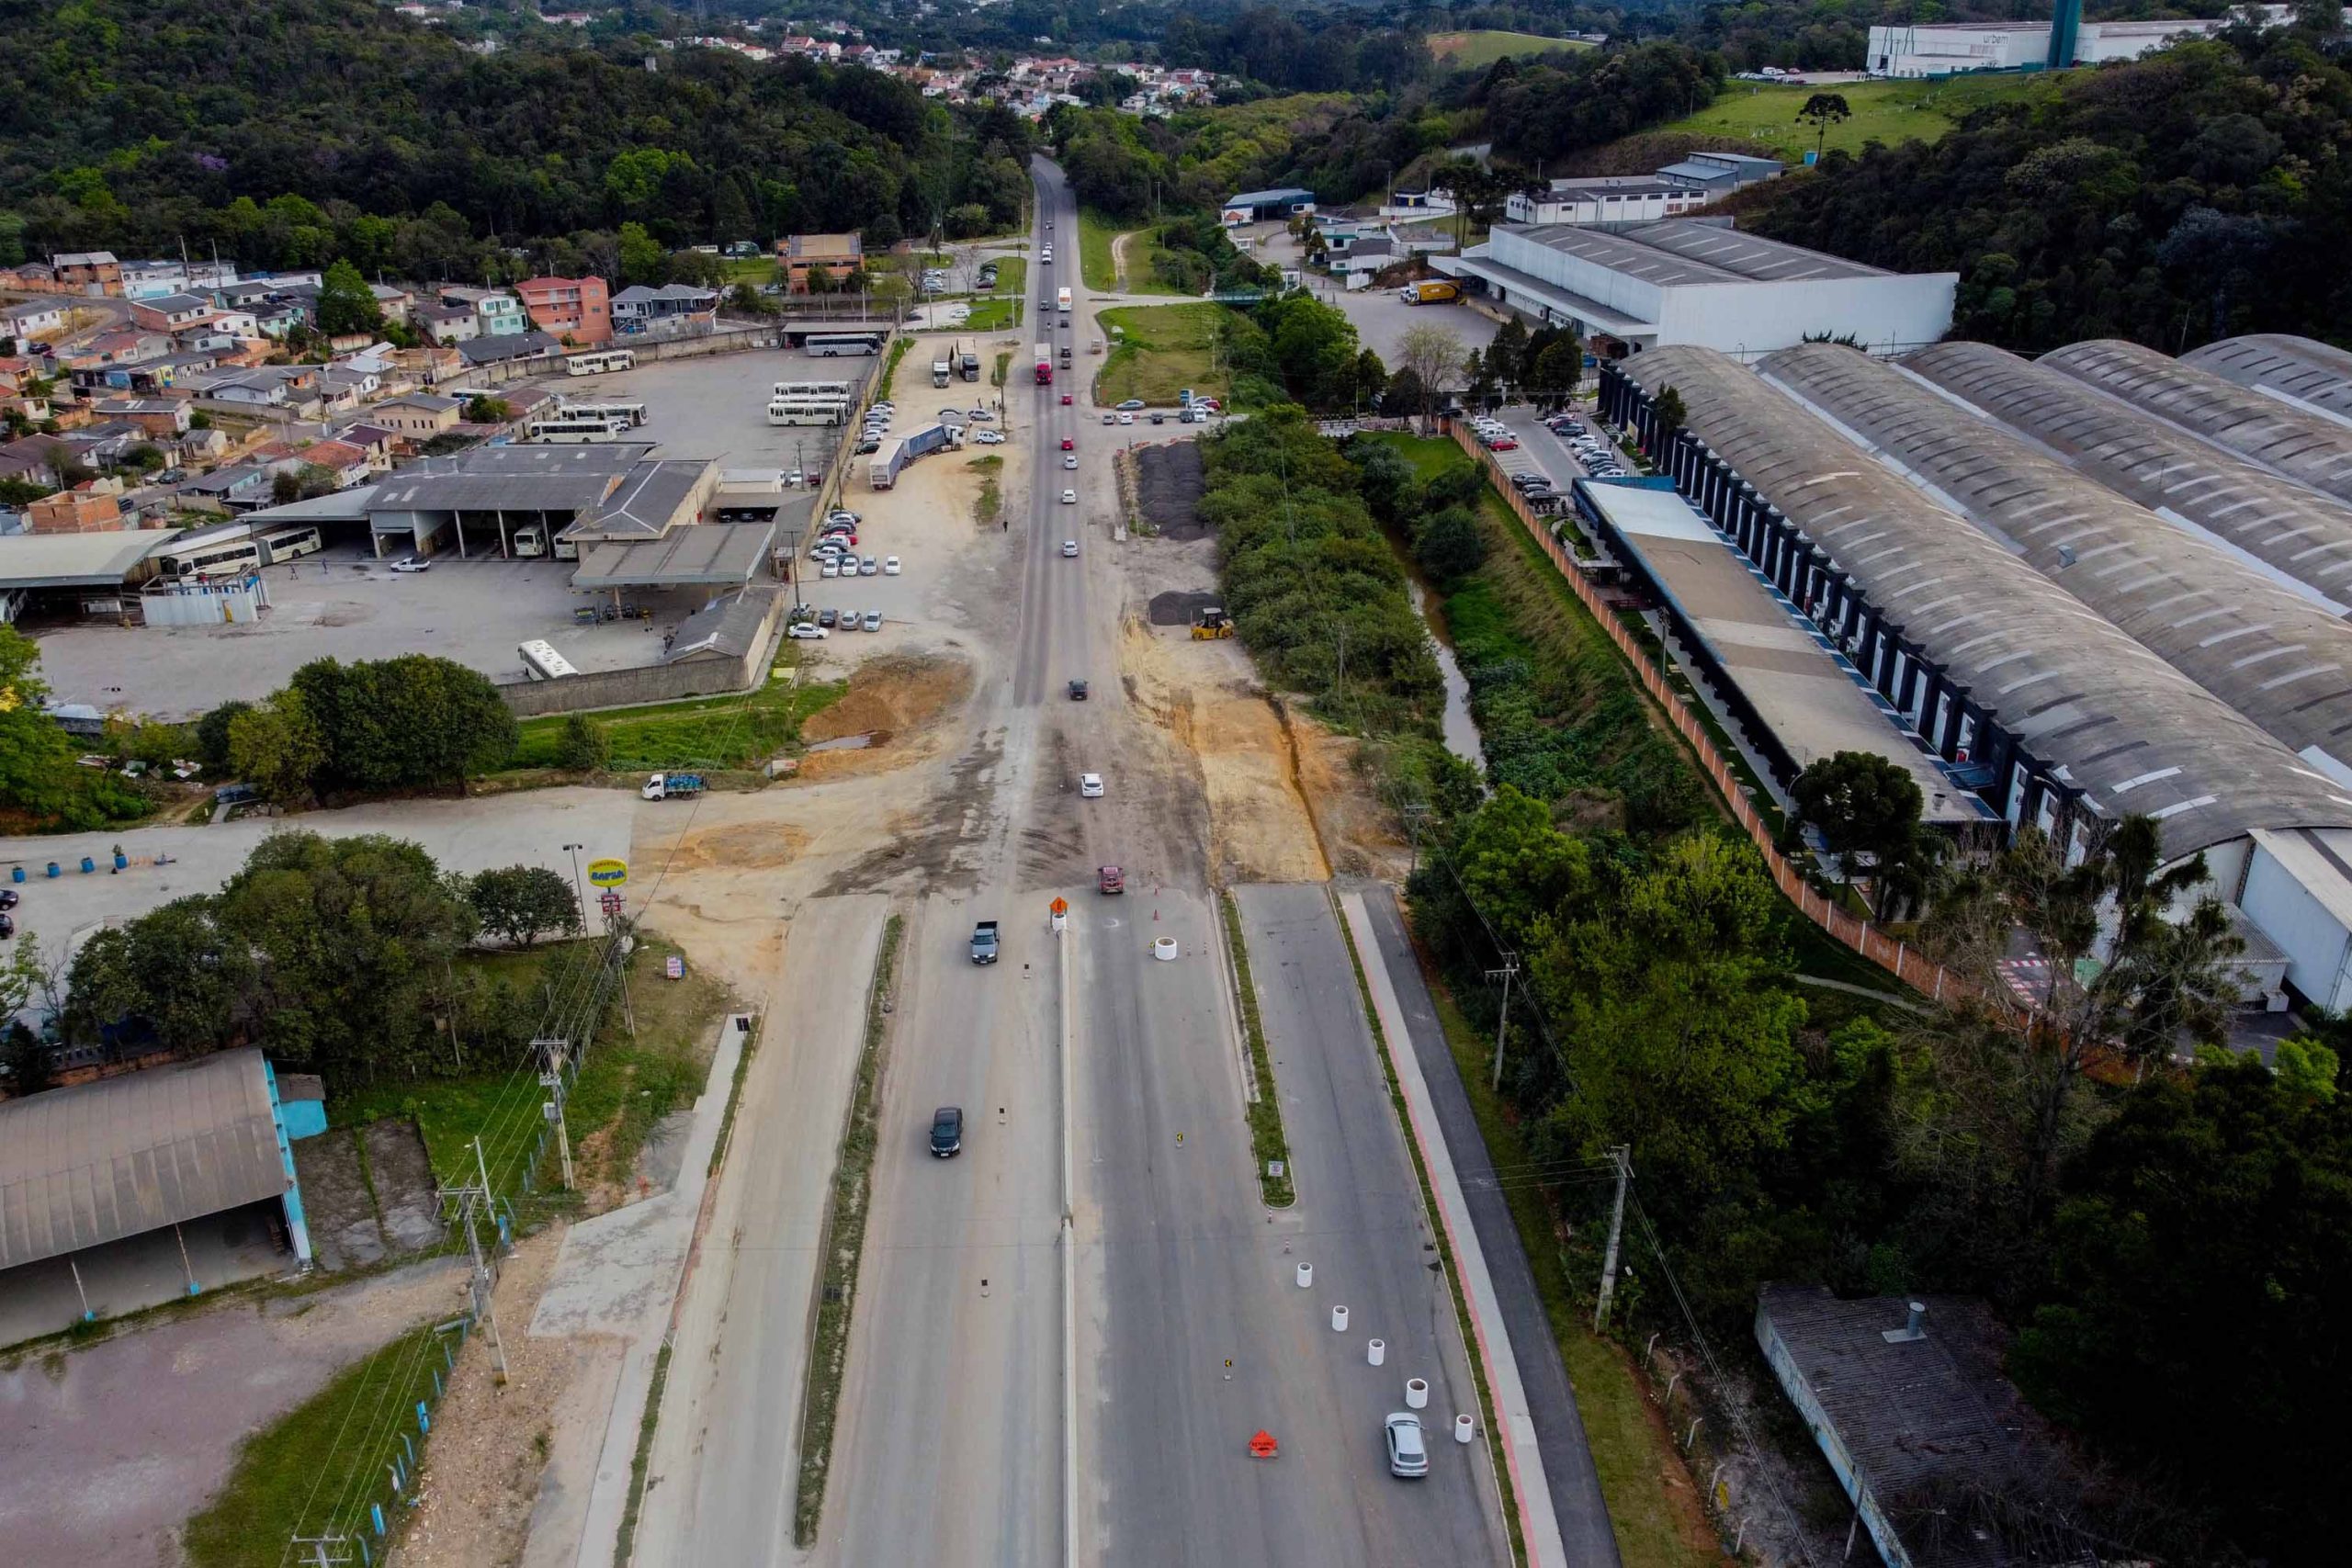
[287, 132]
[2201, 192]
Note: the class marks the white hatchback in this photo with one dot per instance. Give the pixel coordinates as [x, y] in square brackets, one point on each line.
[1090, 785]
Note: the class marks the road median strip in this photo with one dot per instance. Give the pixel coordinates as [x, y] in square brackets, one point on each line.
[1264, 1113]
[841, 1246]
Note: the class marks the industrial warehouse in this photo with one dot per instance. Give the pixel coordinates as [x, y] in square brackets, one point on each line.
[2074, 653]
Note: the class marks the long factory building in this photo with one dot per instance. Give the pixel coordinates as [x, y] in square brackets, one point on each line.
[2027, 619]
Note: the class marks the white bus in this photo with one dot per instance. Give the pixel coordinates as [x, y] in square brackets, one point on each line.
[830, 345]
[216, 552]
[542, 662]
[813, 389]
[284, 544]
[600, 361]
[566, 427]
[807, 410]
[631, 415]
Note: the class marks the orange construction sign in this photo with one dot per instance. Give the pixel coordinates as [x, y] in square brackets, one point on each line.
[1262, 1446]
[1059, 906]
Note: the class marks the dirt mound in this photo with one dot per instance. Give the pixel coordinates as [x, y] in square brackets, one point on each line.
[740, 846]
[1168, 482]
[1175, 609]
[896, 696]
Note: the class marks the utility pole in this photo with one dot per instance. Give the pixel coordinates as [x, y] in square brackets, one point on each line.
[1622, 1156]
[469, 1199]
[1506, 974]
[554, 1057]
[325, 1550]
[579, 889]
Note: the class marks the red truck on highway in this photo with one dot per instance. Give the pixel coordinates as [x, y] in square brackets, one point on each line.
[1045, 365]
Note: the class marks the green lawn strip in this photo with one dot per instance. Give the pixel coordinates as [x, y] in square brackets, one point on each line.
[1161, 350]
[1144, 251]
[733, 730]
[1470, 1340]
[1265, 1113]
[991, 498]
[754, 270]
[1631, 1461]
[1765, 114]
[1095, 267]
[844, 1243]
[331, 1449]
[626, 1546]
[1482, 47]
[990, 315]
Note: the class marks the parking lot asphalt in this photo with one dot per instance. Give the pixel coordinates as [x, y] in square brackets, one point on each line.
[716, 406]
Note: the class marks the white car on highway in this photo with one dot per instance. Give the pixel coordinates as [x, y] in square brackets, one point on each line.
[1090, 785]
[1070, 498]
[1070, 548]
[1068, 461]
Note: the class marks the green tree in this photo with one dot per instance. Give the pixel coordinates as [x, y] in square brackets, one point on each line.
[1668, 417]
[177, 968]
[352, 939]
[1432, 357]
[1518, 870]
[1557, 369]
[1676, 1037]
[1867, 808]
[36, 756]
[484, 409]
[2201, 1298]
[405, 723]
[143, 458]
[277, 748]
[345, 304]
[1507, 359]
[212, 734]
[583, 746]
[1821, 111]
[1448, 545]
[520, 902]
[642, 259]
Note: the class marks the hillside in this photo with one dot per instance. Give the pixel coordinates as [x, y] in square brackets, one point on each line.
[287, 131]
[1763, 117]
[1483, 46]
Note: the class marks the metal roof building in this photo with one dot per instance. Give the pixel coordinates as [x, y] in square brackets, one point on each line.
[1685, 280]
[2305, 446]
[77, 560]
[2067, 719]
[2267, 650]
[2317, 375]
[2301, 537]
[102, 1161]
[706, 554]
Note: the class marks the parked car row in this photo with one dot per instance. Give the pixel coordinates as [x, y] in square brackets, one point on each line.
[1598, 456]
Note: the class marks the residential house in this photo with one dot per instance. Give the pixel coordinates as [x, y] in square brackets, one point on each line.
[837, 254]
[417, 417]
[88, 272]
[163, 418]
[32, 410]
[508, 346]
[358, 382]
[577, 309]
[152, 279]
[32, 278]
[123, 348]
[393, 302]
[32, 319]
[671, 307]
[174, 312]
[447, 324]
[91, 507]
[241, 488]
[497, 313]
[373, 441]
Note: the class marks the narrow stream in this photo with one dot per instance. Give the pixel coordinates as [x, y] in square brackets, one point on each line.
[1460, 731]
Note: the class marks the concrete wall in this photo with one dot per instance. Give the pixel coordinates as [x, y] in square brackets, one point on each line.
[1885, 315]
[649, 684]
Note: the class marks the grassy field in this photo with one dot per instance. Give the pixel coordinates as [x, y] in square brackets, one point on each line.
[1165, 349]
[730, 731]
[754, 270]
[1885, 112]
[1095, 234]
[297, 1461]
[1487, 45]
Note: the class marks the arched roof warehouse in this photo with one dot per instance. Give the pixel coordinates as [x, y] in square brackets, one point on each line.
[2305, 446]
[2265, 650]
[2126, 728]
[2319, 374]
[2295, 531]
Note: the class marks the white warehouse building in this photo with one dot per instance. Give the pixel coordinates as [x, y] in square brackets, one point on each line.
[1942, 49]
[1695, 281]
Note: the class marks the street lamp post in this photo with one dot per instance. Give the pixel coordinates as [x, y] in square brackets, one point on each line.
[579, 889]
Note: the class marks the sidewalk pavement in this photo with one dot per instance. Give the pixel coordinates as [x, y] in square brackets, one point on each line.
[618, 1275]
[1550, 1460]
